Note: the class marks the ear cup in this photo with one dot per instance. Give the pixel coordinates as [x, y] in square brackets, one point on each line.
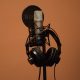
[51, 56]
[36, 57]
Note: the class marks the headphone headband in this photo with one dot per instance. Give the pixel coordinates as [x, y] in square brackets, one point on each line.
[56, 38]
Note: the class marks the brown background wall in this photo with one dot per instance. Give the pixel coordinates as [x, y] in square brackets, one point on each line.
[64, 16]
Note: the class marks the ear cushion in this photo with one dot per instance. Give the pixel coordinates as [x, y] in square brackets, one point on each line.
[36, 57]
[52, 56]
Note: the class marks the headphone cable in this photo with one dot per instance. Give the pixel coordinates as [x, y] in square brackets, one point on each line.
[39, 73]
[54, 71]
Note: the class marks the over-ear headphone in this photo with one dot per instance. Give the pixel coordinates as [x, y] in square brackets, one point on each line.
[51, 57]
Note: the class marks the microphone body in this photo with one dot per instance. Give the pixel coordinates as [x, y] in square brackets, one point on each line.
[36, 37]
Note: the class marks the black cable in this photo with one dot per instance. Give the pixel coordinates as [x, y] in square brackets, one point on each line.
[54, 72]
[39, 73]
[48, 27]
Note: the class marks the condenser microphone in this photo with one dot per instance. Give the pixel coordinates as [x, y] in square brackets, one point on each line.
[38, 25]
[33, 18]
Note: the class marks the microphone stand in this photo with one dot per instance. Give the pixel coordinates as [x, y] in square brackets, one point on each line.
[44, 72]
[44, 66]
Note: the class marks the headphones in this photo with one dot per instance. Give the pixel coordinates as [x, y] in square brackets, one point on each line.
[50, 57]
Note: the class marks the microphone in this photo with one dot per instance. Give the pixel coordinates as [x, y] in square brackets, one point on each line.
[33, 18]
[38, 25]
